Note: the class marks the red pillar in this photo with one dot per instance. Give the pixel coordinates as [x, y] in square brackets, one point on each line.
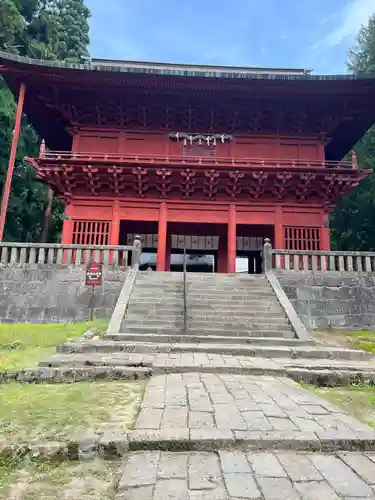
[279, 242]
[12, 159]
[162, 238]
[67, 231]
[232, 239]
[115, 225]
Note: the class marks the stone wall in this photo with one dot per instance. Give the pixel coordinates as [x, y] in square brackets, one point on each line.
[325, 298]
[52, 293]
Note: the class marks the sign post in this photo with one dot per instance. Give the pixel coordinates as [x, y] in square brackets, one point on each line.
[94, 277]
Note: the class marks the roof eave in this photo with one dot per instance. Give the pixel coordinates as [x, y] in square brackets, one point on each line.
[167, 69]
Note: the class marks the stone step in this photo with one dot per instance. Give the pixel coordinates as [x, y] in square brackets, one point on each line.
[217, 320]
[120, 365]
[242, 286]
[301, 352]
[205, 339]
[236, 307]
[215, 328]
[261, 308]
[151, 364]
[251, 318]
[141, 308]
[243, 332]
[87, 358]
[229, 301]
[264, 332]
[232, 293]
[150, 330]
[332, 377]
[210, 440]
[202, 305]
[157, 325]
[199, 276]
[156, 300]
[165, 309]
[151, 315]
[148, 292]
[229, 285]
[261, 287]
[225, 277]
[245, 324]
[70, 373]
[159, 284]
[367, 364]
[158, 296]
[170, 292]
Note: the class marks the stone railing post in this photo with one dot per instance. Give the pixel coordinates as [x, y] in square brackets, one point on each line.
[137, 250]
[267, 255]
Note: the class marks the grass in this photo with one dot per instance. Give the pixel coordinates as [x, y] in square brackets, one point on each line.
[360, 339]
[23, 346]
[94, 480]
[56, 412]
[357, 400]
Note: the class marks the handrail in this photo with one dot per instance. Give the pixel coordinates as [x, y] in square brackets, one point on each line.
[185, 295]
[20, 254]
[67, 246]
[194, 159]
[317, 260]
[335, 253]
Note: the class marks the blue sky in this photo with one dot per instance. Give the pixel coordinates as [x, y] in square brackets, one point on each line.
[314, 34]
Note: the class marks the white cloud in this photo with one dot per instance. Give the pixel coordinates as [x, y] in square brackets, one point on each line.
[348, 22]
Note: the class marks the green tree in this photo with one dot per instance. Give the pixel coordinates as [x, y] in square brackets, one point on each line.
[44, 29]
[12, 25]
[73, 30]
[353, 221]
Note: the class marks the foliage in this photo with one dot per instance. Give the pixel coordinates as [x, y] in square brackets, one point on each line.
[353, 221]
[362, 57]
[358, 400]
[53, 412]
[44, 29]
[23, 346]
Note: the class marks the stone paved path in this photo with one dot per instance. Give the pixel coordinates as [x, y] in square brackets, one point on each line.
[215, 410]
[207, 362]
[247, 475]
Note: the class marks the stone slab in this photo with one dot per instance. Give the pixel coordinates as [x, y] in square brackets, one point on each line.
[207, 411]
[234, 475]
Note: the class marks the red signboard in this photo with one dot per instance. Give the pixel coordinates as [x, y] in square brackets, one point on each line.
[94, 275]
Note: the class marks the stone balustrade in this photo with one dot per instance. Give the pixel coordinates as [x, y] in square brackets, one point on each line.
[301, 260]
[19, 254]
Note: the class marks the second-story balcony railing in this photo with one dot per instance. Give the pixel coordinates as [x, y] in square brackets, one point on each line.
[196, 161]
[191, 177]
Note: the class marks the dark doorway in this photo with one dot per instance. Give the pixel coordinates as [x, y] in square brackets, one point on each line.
[250, 240]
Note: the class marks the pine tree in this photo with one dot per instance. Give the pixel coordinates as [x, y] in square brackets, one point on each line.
[73, 25]
[353, 221]
[43, 29]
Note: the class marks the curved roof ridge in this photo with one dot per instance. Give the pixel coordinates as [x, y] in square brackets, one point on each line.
[175, 69]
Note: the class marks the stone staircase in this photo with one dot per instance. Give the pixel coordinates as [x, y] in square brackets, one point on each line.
[228, 306]
[156, 305]
[235, 305]
[235, 325]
